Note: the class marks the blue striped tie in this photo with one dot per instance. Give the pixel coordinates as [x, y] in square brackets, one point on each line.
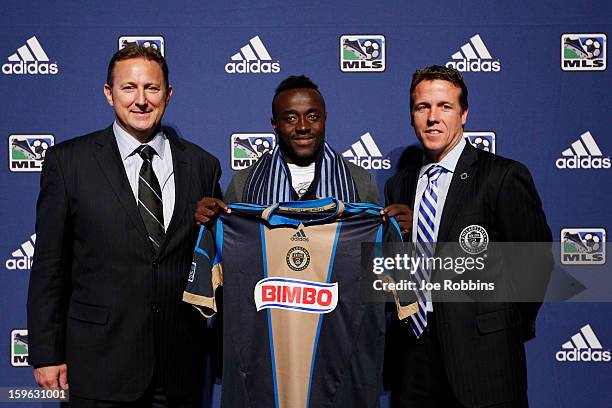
[424, 246]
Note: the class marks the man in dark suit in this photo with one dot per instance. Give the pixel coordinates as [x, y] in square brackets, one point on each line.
[467, 354]
[115, 236]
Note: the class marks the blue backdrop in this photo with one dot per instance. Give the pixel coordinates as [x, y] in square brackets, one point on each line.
[539, 93]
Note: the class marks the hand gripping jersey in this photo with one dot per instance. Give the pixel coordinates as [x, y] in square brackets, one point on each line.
[296, 330]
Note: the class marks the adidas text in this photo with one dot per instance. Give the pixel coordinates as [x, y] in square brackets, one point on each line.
[583, 355]
[32, 68]
[255, 67]
[370, 163]
[584, 162]
[24, 263]
[475, 65]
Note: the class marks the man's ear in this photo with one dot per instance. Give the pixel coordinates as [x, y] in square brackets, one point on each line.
[108, 93]
[464, 116]
[168, 94]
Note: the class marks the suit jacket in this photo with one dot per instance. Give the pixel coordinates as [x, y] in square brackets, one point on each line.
[100, 298]
[481, 343]
[366, 186]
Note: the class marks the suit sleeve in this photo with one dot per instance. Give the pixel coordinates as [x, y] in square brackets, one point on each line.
[205, 275]
[371, 191]
[232, 195]
[522, 222]
[216, 193]
[49, 288]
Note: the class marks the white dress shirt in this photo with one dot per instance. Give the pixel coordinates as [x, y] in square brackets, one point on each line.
[449, 162]
[162, 166]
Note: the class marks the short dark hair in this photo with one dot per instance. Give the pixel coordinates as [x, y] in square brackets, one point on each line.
[444, 73]
[137, 51]
[295, 82]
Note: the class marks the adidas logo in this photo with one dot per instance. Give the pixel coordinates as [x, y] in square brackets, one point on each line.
[474, 57]
[583, 154]
[31, 59]
[250, 60]
[365, 153]
[300, 236]
[583, 346]
[22, 257]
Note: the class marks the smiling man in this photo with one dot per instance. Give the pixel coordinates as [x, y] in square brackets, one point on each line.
[303, 165]
[465, 354]
[114, 242]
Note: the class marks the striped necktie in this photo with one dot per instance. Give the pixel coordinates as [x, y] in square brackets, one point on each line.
[425, 246]
[150, 201]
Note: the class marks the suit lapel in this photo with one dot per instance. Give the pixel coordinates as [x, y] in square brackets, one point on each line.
[182, 179]
[457, 193]
[109, 160]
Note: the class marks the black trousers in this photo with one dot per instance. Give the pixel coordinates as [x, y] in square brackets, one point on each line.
[154, 397]
[423, 382]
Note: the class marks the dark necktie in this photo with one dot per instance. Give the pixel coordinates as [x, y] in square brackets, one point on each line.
[150, 201]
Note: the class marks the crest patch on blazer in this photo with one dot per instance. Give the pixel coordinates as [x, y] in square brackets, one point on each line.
[474, 239]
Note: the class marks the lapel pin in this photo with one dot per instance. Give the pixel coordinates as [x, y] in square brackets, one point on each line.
[463, 176]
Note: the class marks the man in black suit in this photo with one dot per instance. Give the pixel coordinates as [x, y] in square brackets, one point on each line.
[467, 354]
[115, 236]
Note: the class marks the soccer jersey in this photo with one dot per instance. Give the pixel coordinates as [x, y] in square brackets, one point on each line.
[297, 331]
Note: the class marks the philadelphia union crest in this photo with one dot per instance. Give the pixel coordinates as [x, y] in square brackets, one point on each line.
[298, 258]
[474, 239]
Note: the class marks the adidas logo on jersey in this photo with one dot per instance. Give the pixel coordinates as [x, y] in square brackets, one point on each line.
[474, 57]
[583, 154]
[583, 346]
[30, 59]
[365, 153]
[253, 58]
[300, 236]
[22, 257]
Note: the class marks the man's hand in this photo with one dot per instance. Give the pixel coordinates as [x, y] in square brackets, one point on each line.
[54, 376]
[208, 209]
[402, 213]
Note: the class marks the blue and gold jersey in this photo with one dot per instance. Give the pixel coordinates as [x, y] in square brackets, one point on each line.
[297, 331]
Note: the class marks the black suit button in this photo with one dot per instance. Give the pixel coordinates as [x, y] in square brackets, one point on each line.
[244, 373]
[155, 265]
[155, 309]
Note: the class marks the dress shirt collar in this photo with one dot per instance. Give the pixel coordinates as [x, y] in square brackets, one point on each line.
[449, 162]
[128, 144]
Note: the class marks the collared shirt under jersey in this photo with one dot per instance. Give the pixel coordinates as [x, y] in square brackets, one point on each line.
[449, 162]
[162, 166]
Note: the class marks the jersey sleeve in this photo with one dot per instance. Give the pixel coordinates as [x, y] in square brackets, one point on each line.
[205, 275]
[405, 303]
